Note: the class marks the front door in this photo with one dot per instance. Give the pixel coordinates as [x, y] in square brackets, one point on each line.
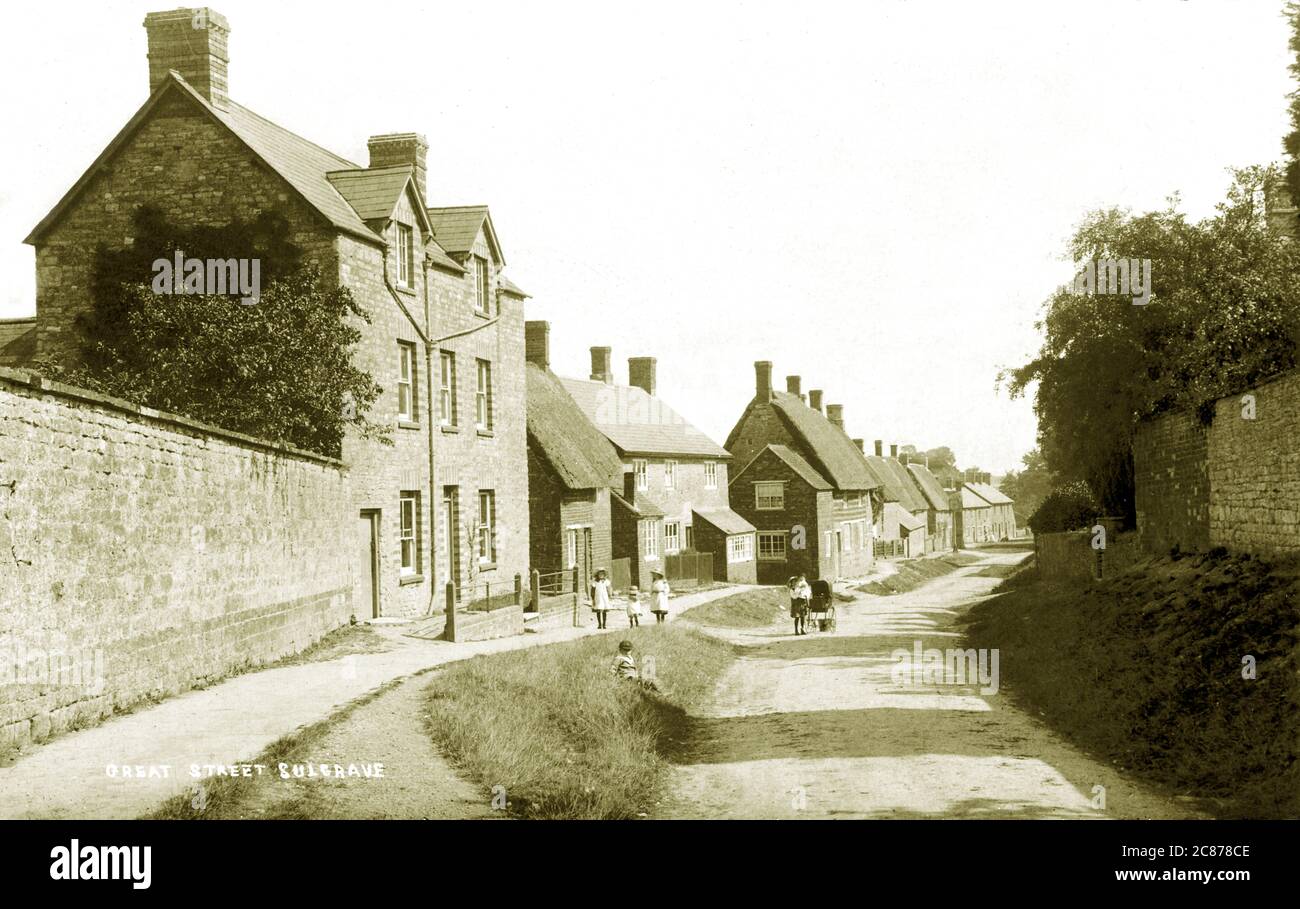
[366, 566]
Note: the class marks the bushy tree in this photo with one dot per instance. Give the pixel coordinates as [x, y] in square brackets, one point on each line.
[1070, 507]
[1030, 486]
[1222, 315]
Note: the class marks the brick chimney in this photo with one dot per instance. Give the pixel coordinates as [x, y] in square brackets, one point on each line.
[763, 380]
[793, 384]
[835, 413]
[537, 343]
[893, 451]
[600, 371]
[880, 447]
[904, 458]
[192, 42]
[402, 148]
[815, 399]
[641, 373]
[862, 445]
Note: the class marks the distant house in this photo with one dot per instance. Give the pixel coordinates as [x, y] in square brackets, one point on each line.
[803, 483]
[672, 497]
[908, 520]
[573, 471]
[939, 533]
[973, 516]
[1002, 514]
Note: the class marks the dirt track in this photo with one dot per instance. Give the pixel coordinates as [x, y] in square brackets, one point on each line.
[815, 727]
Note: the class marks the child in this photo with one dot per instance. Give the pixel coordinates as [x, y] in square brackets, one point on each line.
[601, 592]
[624, 666]
[659, 597]
[634, 608]
[800, 594]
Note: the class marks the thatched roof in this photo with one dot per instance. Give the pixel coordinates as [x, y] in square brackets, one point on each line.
[579, 453]
[829, 450]
[897, 483]
[640, 423]
[930, 486]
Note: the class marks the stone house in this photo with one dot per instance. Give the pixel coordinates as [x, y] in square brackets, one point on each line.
[673, 499]
[804, 484]
[1002, 515]
[973, 516]
[447, 502]
[573, 474]
[908, 519]
[939, 531]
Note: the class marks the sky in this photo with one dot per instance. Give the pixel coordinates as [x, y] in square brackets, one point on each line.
[875, 196]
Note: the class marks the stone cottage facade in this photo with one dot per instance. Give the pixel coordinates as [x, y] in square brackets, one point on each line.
[447, 502]
[813, 511]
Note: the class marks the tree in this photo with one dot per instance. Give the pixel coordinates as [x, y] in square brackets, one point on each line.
[1030, 486]
[279, 370]
[1222, 315]
[1071, 507]
[1291, 143]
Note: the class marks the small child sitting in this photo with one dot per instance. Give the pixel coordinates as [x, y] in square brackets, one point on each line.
[625, 666]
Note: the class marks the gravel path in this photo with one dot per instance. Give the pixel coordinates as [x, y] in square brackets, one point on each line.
[815, 727]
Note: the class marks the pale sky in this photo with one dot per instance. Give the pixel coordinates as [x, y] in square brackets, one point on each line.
[874, 196]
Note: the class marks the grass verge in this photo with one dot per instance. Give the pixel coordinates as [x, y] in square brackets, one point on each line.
[561, 734]
[755, 608]
[915, 572]
[1146, 669]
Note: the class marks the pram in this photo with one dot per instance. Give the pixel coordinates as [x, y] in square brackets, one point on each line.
[821, 609]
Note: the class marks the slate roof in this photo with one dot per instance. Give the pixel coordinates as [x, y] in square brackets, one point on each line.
[725, 520]
[17, 341]
[372, 193]
[835, 456]
[640, 504]
[580, 454]
[796, 462]
[639, 423]
[908, 521]
[456, 227]
[930, 486]
[510, 287]
[897, 482]
[990, 494]
[969, 499]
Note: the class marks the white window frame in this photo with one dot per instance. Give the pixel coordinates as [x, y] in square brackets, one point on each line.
[483, 394]
[710, 474]
[740, 548]
[689, 537]
[406, 409]
[481, 286]
[408, 520]
[774, 502]
[487, 531]
[571, 547]
[641, 468]
[772, 536]
[670, 474]
[650, 541]
[673, 539]
[447, 388]
[405, 254]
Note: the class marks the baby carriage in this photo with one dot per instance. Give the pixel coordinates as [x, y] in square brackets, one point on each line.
[821, 609]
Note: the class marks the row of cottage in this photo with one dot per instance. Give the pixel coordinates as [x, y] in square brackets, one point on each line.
[477, 488]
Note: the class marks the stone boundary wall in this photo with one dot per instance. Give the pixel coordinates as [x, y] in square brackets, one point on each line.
[143, 554]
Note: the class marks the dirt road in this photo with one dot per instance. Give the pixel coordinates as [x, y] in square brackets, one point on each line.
[819, 726]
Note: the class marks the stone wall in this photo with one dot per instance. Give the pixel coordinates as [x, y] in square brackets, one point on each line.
[1234, 483]
[1070, 557]
[143, 553]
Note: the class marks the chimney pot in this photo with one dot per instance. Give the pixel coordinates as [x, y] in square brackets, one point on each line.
[815, 399]
[641, 373]
[402, 148]
[880, 446]
[835, 413]
[600, 370]
[763, 380]
[793, 384]
[537, 343]
[192, 42]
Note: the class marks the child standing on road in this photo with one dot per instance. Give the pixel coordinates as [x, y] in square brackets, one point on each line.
[600, 597]
[659, 597]
[634, 608]
[800, 594]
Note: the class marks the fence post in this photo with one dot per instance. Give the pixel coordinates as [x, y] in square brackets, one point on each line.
[519, 590]
[576, 596]
[487, 596]
[449, 629]
[535, 591]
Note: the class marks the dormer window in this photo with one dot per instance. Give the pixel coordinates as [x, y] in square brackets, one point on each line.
[481, 299]
[405, 255]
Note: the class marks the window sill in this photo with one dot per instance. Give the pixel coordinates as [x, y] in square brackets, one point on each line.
[408, 424]
[482, 315]
[487, 566]
[450, 428]
[408, 579]
[402, 288]
[486, 433]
